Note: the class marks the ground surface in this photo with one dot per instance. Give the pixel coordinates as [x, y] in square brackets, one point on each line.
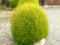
[54, 18]
[54, 21]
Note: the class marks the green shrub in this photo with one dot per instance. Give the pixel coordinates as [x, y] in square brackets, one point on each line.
[29, 24]
[13, 3]
[28, 1]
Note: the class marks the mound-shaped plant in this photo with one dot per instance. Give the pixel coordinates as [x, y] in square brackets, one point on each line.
[13, 3]
[29, 24]
[28, 1]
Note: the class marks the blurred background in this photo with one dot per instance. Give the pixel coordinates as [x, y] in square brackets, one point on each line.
[42, 2]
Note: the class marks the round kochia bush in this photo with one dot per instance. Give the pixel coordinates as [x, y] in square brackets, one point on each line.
[13, 3]
[29, 24]
[28, 1]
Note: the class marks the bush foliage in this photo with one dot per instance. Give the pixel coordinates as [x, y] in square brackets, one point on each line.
[13, 3]
[29, 24]
[28, 1]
